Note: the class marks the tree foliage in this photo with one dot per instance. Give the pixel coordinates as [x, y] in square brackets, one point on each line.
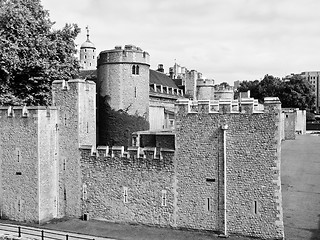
[295, 92]
[116, 127]
[32, 53]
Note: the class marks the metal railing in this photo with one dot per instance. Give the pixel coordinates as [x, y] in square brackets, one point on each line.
[22, 231]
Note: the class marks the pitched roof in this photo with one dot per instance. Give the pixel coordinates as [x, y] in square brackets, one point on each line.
[156, 77]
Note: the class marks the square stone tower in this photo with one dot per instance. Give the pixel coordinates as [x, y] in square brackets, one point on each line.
[29, 163]
[76, 102]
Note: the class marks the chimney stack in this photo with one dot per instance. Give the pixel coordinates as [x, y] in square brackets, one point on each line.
[160, 68]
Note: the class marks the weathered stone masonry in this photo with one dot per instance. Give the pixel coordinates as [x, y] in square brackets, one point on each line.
[193, 175]
[149, 184]
[39, 153]
[253, 200]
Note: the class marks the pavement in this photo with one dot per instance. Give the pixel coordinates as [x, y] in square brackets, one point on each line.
[101, 230]
[300, 175]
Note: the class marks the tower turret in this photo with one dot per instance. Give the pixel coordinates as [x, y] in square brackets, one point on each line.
[123, 77]
[88, 59]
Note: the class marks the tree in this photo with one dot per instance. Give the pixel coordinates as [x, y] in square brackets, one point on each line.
[32, 54]
[248, 85]
[297, 92]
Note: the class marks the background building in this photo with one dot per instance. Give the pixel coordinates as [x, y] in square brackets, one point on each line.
[313, 78]
[88, 59]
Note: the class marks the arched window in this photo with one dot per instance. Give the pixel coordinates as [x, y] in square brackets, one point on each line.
[137, 70]
[133, 69]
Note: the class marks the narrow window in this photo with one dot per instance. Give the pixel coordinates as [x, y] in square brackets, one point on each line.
[208, 204]
[133, 69]
[164, 198]
[18, 155]
[87, 127]
[92, 57]
[286, 116]
[85, 50]
[65, 119]
[90, 64]
[85, 56]
[135, 92]
[125, 194]
[65, 194]
[19, 205]
[210, 180]
[64, 164]
[137, 70]
[255, 206]
[84, 191]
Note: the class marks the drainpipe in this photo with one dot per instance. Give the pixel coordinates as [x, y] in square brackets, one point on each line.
[224, 129]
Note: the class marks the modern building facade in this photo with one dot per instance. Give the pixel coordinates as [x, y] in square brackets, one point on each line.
[314, 79]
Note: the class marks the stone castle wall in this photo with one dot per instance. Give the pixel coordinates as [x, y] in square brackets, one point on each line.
[48, 164]
[148, 182]
[75, 99]
[212, 175]
[26, 156]
[289, 123]
[253, 194]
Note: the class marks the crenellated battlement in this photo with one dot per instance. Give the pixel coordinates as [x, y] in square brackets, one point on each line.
[131, 152]
[223, 106]
[205, 82]
[128, 54]
[26, 111]
[134, 157]
[64, 85]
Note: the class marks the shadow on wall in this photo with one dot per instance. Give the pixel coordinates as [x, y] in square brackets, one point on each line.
[316, 232]
[116, 127]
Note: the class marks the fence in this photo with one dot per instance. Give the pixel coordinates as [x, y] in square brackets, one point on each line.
[22, 231]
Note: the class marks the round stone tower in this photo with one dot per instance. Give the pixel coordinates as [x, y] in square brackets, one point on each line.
[88, 59]
[205, 89]
[123, 79]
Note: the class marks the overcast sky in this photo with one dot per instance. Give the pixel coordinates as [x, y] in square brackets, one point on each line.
[226, 40]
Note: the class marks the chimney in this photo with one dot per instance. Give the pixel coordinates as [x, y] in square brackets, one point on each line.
[171, 73]
[160, 68]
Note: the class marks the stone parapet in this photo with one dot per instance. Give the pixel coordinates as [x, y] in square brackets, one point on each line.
[128, 54]
[223, 106]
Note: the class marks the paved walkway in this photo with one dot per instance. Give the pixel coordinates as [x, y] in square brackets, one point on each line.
[116, 231]
[44, 233]
[301, 187]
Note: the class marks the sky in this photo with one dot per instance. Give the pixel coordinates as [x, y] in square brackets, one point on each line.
[225, 40]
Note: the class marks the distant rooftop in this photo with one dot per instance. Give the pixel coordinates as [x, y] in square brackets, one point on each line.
[161, 79]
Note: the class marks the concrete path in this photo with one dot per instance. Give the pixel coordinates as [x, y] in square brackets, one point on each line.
[39, 233]
[301, 187]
